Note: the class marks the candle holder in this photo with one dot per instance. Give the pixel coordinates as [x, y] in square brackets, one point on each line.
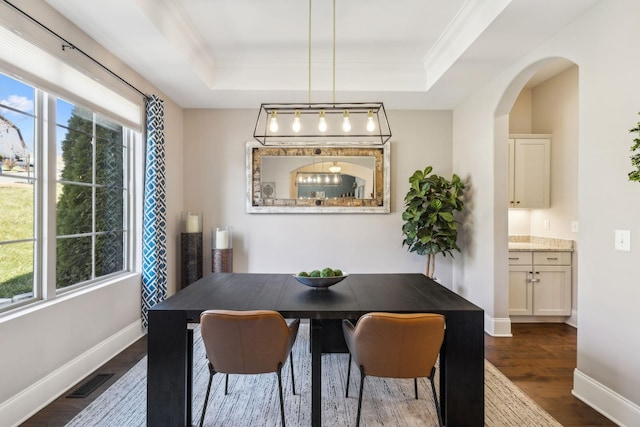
[191, 248]
[222, 250]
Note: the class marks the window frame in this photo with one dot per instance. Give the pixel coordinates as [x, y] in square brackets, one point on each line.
[45, 201]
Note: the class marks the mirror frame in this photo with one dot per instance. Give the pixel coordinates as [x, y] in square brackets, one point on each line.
[382, 188]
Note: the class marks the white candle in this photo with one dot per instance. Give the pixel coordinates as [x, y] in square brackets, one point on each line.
[222, 239]
[192, 223]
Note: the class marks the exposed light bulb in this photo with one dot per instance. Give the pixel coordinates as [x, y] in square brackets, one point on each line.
[273, 122]
[371, 125]
[322, 124]
[296, 126]
[346, 123]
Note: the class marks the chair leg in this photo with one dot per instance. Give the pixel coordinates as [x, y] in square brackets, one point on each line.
[293, 381]
[415, 387]
[226, 384]
[360, 396]
[279, 373]
[348, 375]
[435, 399]
[206, 397]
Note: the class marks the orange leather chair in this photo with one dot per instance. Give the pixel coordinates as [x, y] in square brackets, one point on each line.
[247, 342]
[395, 346]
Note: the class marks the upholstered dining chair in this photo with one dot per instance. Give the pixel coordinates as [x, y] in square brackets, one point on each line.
[247, 342]
[395, 346]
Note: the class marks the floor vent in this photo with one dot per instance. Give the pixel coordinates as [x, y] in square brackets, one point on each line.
[87, 388]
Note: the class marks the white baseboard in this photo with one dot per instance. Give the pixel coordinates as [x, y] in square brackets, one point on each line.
[606, 401]
[573, 320]
[26, 403]
[497, 327]
[539, 319]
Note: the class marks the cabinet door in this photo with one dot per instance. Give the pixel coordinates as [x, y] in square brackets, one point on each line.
[520, 291]
[512, 195]
[531, 173]
[552, 291]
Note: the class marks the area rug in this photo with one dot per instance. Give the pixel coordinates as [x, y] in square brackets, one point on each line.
[253, 399]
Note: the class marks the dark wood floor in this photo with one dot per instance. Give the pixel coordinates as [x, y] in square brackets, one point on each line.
[63, 409]
[540, 359]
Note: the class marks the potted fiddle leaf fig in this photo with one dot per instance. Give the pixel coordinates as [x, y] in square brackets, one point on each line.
[430, 226]
[635, 159]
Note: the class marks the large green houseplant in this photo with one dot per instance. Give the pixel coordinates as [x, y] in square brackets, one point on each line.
[430, 226]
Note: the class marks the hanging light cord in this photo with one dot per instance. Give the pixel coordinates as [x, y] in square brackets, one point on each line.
[334, 51]
[309, 51]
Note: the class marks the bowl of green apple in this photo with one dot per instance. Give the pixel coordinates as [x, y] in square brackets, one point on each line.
[321, 279]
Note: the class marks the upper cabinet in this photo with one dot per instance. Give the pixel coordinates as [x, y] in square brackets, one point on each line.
[529, 171]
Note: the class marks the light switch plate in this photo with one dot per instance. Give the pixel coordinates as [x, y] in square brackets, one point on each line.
[574, 226]
[623, 240]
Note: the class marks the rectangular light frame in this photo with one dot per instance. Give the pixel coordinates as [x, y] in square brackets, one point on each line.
[309, 114]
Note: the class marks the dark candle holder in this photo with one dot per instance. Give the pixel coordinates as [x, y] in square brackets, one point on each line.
[222, 260]
[191, 255]
[190, 248]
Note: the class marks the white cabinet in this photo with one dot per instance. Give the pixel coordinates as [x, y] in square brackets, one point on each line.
[539, 283]
[529, 171]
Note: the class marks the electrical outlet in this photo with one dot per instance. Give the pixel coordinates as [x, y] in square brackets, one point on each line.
[623, 240]
[574, 226]
[546, 224]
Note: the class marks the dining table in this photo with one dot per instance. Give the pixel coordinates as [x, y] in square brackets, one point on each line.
[170, 339]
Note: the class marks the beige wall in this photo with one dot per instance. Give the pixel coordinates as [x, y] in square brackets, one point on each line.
[607, 374]
[520, 114]
[555, 111]
[215, 184]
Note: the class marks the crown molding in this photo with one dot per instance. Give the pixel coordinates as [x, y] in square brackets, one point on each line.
[465, 28]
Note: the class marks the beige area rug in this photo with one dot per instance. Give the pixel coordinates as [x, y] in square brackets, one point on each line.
[253, 399]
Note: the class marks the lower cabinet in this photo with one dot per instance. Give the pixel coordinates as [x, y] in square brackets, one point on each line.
[539, 283]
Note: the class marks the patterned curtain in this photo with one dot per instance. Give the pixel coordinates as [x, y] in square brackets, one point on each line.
[154, 223]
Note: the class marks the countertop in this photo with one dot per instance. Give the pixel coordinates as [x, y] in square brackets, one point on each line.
[539, 244]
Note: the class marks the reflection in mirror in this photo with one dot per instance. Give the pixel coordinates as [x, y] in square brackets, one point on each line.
[317, 179]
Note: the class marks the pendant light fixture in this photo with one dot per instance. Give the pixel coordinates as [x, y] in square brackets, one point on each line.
[362, 122]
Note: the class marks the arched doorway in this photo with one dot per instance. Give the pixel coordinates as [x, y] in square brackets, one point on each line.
[543, 99]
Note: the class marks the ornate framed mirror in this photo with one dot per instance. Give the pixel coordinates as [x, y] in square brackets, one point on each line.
[317, 179]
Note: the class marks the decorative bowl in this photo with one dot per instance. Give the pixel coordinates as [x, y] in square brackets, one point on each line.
[320, 282]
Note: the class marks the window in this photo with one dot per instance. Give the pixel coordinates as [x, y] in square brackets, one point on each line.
[17, 191]
[79, 182]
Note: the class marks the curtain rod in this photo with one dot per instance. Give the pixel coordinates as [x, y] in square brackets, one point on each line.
[68, 45]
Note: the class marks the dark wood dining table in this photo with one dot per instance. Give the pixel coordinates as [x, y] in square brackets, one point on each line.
[170, 343]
